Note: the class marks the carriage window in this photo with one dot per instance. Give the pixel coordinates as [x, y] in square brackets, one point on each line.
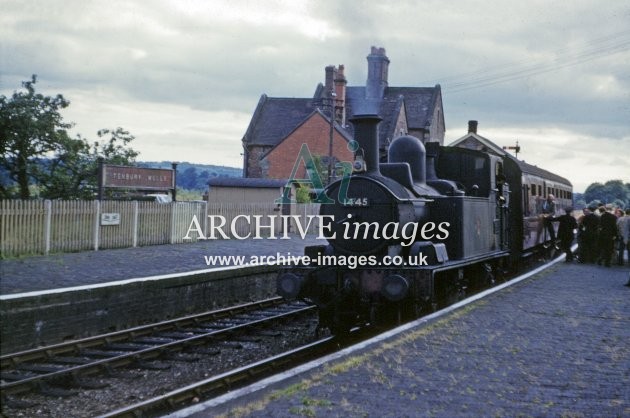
[533, 189]
[526, 200]
[540, 190]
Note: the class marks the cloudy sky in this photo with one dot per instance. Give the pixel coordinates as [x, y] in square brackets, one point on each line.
[184, 76]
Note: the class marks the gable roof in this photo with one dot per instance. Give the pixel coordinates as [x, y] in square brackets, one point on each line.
[275, 117]
[490, 146]
[419, 103]
[343, 132]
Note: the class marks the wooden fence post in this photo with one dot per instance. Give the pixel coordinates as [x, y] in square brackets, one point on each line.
[172, 207]
[135, 223]
[48, 214]
[97, 223]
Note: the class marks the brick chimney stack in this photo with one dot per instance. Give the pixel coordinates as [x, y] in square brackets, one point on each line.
[336, 81]
[330, 77]
[472, 126]
[340, 89]
[378, 66]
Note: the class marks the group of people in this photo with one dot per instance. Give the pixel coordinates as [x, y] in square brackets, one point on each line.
[599, 229]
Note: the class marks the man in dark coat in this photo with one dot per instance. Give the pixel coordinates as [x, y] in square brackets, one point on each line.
[607, 235]
[549, 211]
[566, 227]
[589, 228]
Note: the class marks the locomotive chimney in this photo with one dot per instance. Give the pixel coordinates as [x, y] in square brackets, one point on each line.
[366, 134]
[472, 126]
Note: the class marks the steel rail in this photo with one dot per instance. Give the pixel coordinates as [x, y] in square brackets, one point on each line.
[208, 388]
[27, 384]
[225, 381]
[44, 353]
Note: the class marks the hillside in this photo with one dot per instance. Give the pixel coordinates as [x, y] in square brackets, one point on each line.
[194, 176]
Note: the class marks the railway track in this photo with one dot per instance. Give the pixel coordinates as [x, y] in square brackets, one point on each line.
[51, 369]
[217, 385]
[62, 369]
[222, 383]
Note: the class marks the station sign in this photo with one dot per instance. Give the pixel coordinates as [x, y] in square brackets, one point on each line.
[137, 178]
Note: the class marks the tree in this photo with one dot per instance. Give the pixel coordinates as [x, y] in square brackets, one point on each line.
[72, 174]
[31, 127]
[188, 178]
[35, 147]
[608, 192]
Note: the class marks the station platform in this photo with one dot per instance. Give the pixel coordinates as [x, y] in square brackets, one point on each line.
[554, 344]
[62, 270]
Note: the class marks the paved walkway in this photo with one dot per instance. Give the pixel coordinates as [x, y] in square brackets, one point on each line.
[557, 344]
[90, 267]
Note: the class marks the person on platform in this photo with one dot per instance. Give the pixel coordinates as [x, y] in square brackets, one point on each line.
[549, 211]
[619, 213]
[580, 234]
[623, 233]
[566, 227]
[588, 232]
[607, 235]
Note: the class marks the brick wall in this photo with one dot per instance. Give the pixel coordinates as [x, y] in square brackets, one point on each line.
[30, 321]
[254, 156]
[315, 132]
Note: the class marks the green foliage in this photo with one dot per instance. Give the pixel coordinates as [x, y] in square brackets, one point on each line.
[594, 203]
[303, 194]
[36, 148]
[31, 127]
[72, 173]
[187, 195]
[613, 191]
[195, 176]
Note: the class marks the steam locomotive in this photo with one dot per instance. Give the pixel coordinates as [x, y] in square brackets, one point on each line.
[425, 227]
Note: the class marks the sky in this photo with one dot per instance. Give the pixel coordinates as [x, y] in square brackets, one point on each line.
[184, 76]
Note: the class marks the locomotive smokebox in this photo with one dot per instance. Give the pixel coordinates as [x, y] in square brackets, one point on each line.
[366, 134]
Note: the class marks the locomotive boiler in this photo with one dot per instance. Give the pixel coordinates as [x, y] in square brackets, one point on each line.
[406, 235]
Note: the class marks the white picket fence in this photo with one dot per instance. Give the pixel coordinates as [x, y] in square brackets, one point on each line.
[44, 226]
